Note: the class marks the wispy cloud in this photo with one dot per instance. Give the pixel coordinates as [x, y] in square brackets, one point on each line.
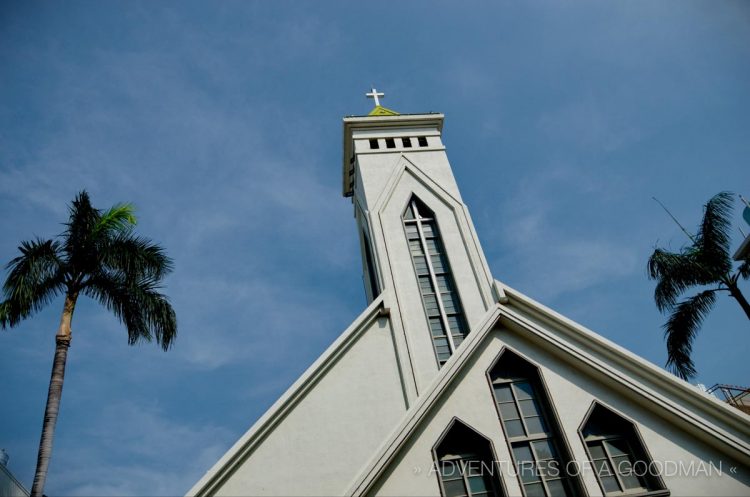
[590, 124]
[222, 124]
[549, 250]
[162, 453]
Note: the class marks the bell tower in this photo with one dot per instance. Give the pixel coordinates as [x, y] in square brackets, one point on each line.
[417, 238]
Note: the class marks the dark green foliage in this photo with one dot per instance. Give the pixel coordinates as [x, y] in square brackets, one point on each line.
[681, 329]
[35, 278]
[99, 256]
[705, 262]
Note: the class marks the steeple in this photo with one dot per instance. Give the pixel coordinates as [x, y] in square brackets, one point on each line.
[442, 372]
[416, 235]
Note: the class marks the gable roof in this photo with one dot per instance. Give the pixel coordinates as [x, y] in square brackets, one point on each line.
[224, 467]
[703, 415]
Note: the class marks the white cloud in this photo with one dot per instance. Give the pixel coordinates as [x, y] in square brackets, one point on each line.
[551, 255]
[164, 454]
[269, 321]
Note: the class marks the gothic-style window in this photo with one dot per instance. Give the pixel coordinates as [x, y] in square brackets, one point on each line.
[540, 457]
[618, 457]
[441, 303]
[464, 461]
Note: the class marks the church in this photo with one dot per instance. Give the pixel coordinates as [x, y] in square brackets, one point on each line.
[450, 383]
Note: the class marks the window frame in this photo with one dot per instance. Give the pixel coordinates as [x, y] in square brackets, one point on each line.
[655, 479]
[549, 414]
[498, 488]
[459, 314]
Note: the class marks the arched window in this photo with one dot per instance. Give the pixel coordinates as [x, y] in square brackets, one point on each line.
[436, 284]
[618, 456]
[465, 464]
[540, 456]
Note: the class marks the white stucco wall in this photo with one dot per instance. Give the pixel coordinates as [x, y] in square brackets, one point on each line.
[318, 447]
[572, 392]
[472, 290]
[385, 181]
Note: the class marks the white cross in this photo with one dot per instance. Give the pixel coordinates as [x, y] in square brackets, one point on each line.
[374, 94]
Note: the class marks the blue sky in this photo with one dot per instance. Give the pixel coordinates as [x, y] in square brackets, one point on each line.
[221, 122]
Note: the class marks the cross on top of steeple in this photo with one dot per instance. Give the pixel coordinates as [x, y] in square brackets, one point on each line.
[375, 94]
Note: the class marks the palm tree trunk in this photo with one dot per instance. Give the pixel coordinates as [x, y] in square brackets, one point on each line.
[54, 395]
[734, 290]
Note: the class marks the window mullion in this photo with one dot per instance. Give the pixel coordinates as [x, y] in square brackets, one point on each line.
[612, 465]
[536, 468]
[466, 479]
[433, 278]
[520, 413]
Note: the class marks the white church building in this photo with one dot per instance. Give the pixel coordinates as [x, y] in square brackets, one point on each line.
[451, 384]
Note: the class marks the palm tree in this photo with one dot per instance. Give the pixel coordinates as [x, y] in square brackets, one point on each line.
[99, 256]
[706, 262]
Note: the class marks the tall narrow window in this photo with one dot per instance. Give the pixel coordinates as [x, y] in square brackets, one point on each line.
[465, 464]
[618, 457]
[535, 439]
[441, 303]
[371, 275]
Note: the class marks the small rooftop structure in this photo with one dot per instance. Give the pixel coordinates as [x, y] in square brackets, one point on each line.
[733, 395]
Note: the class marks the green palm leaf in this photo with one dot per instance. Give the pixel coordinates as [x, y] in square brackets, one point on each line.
[144, 311]
[136, 256]
[35, 278]
[744, 269]
[712, 241]
[705, 262]
[675, 274]
[118, 219]
[680, 331]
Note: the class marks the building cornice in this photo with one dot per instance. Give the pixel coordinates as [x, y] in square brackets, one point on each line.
[352, 123]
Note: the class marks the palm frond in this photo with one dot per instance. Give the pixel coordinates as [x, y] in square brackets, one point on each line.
[82, 221]
[680, 331]
[146, 313]
[136, 257]
[713, 237]
[100, 257]
[675, 273]
[35, 278]
[744, 269]
[4, 319]
[119, 218]
[159, 316]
